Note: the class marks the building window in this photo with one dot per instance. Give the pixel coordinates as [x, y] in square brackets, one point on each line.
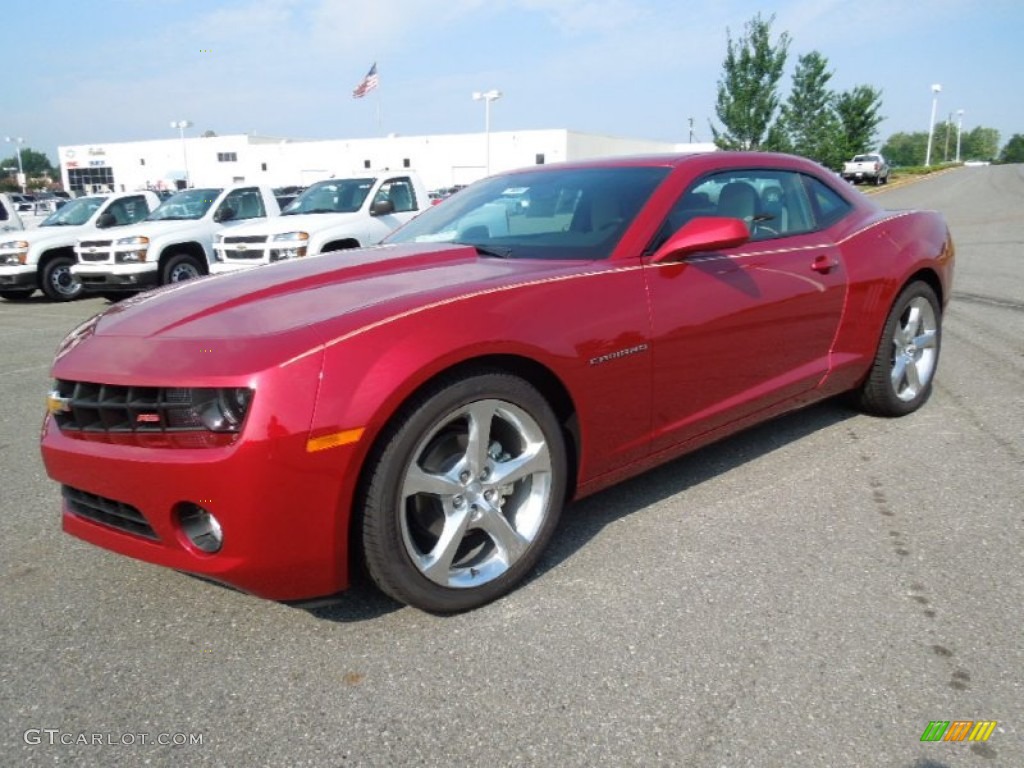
[89, 180]
[227, 157]
[405, 163]
[539, 159]
[263, 166]
[366, 163]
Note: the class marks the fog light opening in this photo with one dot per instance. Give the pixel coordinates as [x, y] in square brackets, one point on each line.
[200, 527]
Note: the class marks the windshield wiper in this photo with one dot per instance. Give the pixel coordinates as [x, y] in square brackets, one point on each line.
[496, 251]
[315, 210]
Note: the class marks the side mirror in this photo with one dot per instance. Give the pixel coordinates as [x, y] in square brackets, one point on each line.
[382, 208]
[704, 233]
[106, 219]
[225, 213]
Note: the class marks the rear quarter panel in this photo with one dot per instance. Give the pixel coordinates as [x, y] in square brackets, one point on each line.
[882, 254]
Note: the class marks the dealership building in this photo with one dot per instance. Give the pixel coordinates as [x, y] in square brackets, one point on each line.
[441, 160]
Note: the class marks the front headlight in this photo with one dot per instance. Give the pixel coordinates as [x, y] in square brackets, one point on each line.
[294, 245]
[139, 240]
[226, 411]
[136, 254]
[14, 259]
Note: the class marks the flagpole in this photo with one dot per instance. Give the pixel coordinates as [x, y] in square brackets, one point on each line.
[380, 113]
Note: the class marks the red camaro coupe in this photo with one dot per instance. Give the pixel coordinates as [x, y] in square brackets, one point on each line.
[428, 406]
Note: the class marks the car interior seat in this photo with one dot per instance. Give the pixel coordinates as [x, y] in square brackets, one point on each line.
[738, 200]
[400, 197]
[248, 206]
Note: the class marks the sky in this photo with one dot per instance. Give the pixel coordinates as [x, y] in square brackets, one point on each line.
[98, 71]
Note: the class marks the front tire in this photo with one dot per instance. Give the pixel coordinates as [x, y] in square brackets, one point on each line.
[58, 283]
[181, 267]
[463, 493]
[904, 367]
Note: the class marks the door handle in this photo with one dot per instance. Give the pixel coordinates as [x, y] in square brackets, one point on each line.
[824, 263]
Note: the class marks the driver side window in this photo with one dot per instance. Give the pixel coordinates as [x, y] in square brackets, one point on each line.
[771, 203]
[245, 203]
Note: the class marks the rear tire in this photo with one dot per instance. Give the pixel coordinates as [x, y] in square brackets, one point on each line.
[463, 493]
[904, 368]
[57, 281]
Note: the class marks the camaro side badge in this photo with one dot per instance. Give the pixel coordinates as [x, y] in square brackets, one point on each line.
[620, 353]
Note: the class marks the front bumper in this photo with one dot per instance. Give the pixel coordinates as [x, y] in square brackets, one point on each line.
[281, 507]
[18, 276]
[128, 277]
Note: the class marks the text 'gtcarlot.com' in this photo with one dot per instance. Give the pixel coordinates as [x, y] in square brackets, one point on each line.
[55, 737]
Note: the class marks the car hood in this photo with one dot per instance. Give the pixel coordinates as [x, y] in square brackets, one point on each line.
[39, 235]
[153, 229]
[308, 222]
[245, 322]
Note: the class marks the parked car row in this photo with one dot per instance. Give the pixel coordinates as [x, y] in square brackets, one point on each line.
[117, 244]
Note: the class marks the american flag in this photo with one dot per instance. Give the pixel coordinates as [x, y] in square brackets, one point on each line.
[368, 83]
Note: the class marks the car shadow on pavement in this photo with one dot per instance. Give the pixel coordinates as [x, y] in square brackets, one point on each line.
[583, 520]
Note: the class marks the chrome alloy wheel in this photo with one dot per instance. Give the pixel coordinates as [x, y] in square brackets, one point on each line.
[915, 349]
[475, 494]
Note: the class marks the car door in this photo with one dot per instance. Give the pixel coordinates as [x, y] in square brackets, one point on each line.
[741, 330]
[402, 194]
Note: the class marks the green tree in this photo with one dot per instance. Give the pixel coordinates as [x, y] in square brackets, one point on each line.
[1013, 152]
[859, 113]
[808, 115]
[980, 143]
[748, 97]
[34, 163]
[906, 149]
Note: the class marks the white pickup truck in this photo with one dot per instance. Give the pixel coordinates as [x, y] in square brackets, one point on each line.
[870, 167]
[331, 215]
[42, 257]
[173, 243]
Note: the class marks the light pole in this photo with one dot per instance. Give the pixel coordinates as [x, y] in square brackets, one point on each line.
[487, 97]
[181, 125]
[936, 89]
[959, 129]
[17, 142]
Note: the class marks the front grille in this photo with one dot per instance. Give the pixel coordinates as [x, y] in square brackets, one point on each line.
[102, 255]
[115, 514]
[88, 407]
[234, 254]
[233, 239]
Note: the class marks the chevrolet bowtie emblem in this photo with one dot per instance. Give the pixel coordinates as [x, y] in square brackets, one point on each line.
[57, 404]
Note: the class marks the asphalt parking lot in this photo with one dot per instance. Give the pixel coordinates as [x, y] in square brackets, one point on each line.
[811, 593]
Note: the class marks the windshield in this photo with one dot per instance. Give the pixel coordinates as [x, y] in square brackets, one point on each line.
[543, 214]
[188, 204]
[74, 214]
[333, 196]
